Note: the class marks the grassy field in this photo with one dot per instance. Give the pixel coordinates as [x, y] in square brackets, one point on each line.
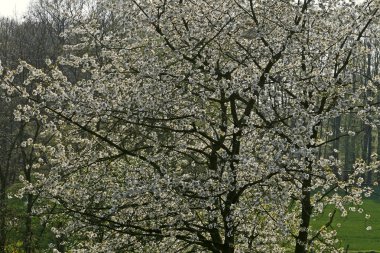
[352, 229]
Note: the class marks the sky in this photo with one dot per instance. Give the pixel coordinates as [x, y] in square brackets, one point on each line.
[13, 8]
[16, 8]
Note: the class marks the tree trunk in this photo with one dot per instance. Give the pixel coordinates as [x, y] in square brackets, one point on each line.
[28, 236]
[367, 150]
[335, 146]
[349, 149]
[301, 240]
[367, 138]
[3, 234]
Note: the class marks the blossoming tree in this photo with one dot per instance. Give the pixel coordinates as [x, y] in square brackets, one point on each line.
[196, 125]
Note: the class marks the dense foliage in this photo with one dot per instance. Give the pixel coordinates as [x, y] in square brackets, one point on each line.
[199, 126]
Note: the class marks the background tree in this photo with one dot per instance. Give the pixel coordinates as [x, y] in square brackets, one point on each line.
[33, 39]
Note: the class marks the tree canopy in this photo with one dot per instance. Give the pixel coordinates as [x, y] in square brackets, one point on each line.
[198, 126]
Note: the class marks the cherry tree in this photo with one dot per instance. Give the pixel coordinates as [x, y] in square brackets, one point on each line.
[197, 125]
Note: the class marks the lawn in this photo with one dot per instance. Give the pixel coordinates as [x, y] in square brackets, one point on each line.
[352, 228]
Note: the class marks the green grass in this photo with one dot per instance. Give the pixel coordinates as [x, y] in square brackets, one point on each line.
[352, 230]
[16, 212]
